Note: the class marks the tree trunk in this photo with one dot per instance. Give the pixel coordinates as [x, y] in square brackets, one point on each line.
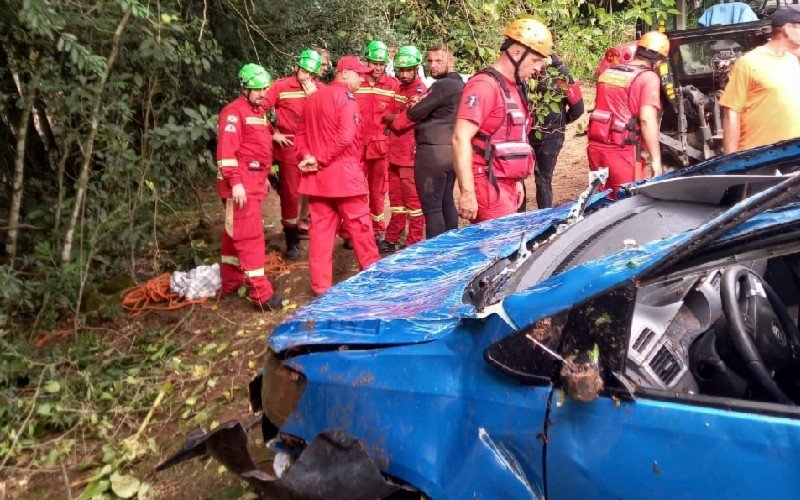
[62, 166]
[83, 177]
[19, 167]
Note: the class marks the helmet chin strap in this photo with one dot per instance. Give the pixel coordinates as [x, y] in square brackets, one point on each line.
[517, 63]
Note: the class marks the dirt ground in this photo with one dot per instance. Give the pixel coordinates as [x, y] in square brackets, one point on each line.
[245, 330]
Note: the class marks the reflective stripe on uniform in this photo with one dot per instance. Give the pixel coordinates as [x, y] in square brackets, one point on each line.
[401, 98]
[300, 94]
[254, 120]
[229, 217]
[375, 90]
[377, 218]
[255, 273]
[398, 210]
[616, 78]
[229, 259]
[227, 163]
[290, 221]
[415, 213]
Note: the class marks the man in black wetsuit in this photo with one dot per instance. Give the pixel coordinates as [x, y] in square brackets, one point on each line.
[435, 115]
[550, 138]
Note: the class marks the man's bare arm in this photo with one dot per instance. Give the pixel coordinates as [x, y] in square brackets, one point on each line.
[731, 131]
[463, 133]
[648, 121]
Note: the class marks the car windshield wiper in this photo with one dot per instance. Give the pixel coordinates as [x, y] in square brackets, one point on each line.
[596, 179]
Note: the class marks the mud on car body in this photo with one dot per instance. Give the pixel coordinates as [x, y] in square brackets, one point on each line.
[649, 344]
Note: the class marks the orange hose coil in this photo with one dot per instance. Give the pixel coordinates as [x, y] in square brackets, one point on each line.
[154, 295]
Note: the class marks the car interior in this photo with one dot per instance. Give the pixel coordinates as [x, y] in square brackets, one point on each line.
[723, 323]
[726, 328]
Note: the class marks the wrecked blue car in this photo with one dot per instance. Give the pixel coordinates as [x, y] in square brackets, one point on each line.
[645, 347]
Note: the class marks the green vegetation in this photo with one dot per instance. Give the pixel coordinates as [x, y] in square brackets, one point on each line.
[107, 110]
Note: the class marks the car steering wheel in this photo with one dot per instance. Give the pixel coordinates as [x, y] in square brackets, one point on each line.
[739, 281]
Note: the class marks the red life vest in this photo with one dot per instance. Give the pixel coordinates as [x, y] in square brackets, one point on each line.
[613, 121]
[507, 152]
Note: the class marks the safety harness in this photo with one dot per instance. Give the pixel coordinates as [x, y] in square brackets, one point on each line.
[604, 125]
[507, 154]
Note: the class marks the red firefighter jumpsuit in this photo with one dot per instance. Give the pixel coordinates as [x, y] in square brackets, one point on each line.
[375, 101]
[329, 131]
[288, 98]
[244, 156]
[404, 201]
[502, 120]
[614, 137]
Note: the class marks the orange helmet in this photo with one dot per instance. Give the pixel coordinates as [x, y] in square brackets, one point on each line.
[655, 41]
[532, 34]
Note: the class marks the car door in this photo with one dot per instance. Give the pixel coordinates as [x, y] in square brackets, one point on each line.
[663, 447]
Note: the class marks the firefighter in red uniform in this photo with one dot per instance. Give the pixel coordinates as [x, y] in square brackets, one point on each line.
[329, 152]
[244, 157]
[490, 139]
[288, 97]
[625, 117]
[404, 204]
[375, 97]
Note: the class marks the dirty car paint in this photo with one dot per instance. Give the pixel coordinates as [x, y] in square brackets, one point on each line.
[608, 450]
[434, 413]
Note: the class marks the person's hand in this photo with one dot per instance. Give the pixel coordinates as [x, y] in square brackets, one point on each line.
[520, 194]
[308, 86]
[414, 99]
[308, 164]
[656, 167]
[467, 205]
[239, 195]
[283, 140]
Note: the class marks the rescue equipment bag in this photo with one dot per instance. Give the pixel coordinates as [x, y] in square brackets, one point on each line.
[604, 127]
[507, 152]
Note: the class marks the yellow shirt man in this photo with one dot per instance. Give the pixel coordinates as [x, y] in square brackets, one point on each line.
[764, 88]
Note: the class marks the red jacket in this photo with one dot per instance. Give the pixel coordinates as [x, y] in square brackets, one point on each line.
[375, 101]
[329, 131]
[401, 140]
[244, 149]
[288, 98]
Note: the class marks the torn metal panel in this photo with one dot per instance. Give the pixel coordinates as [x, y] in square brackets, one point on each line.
[334, 466]
[702, 188]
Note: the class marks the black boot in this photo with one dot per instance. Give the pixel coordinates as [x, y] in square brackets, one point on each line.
[292, 236]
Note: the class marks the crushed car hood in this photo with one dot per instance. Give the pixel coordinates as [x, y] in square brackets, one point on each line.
[417, 295]
[414, 295]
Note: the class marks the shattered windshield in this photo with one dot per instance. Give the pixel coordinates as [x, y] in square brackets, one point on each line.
[699, 57]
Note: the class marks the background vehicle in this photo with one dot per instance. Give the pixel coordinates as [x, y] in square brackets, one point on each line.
[699, 62]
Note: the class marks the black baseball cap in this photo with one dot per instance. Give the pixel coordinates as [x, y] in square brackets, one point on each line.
[786, 14]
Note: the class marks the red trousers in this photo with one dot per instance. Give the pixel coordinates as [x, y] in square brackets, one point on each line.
[376, 171]
[623, 166]
[289, 182]
[325, 216]
[243, 251]
[404, 205]
[493, 204]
